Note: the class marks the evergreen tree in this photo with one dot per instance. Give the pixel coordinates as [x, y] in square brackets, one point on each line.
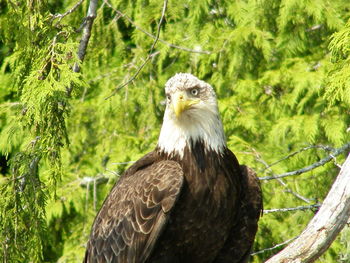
[280, 70]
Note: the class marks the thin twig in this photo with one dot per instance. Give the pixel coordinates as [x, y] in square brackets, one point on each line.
[104, 75]
[100, 179]
[95, 194]
[150, 54]
[124, 162]
[335, 161]
[288, 190]
[132, 78]
[61, 16]
[87, 195]
[159, 26]
[325, 160]
[97, 180]
[274, 247]
[121, 14]
[87, 26]
[10, 104]
[303, 208]
[116, 174]
[324, 147]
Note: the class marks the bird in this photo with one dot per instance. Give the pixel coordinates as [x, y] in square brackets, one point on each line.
[189, 200]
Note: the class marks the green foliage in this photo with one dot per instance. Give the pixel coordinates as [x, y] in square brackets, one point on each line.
[338, 86]
[280, 69]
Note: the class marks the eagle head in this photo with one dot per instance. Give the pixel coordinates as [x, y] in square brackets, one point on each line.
[191, 116]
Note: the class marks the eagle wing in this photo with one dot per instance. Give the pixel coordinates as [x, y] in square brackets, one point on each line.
[135, 213]
[239, 243]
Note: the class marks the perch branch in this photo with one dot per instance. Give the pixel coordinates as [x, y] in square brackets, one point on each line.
[332, 216]
[323, 161]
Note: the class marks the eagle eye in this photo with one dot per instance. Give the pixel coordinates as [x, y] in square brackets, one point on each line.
[194, 92]
[168, 97]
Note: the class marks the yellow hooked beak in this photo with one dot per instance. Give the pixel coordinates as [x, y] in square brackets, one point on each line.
[181, 102]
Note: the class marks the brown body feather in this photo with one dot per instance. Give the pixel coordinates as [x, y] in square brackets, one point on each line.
[203, 208]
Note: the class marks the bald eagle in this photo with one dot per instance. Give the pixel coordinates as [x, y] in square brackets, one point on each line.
[187, 201]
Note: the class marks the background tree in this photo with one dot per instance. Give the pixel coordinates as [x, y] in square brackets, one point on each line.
[280, 69]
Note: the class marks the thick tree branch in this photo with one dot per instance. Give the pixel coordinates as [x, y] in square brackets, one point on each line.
[324, 227]
[325, 160]
[87, 26]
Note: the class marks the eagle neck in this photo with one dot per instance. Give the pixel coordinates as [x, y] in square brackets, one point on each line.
[179, 134]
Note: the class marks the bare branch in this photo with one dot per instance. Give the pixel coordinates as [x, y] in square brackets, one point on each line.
[274, 247]
[150, 55]
[313, 28]
[303, 208]
[324, 147]
[120, 14]
[61, 16]
[87, 195]
[87, 26]
[159, 26]
[95, 194]
[104, 75]
[124, 163]
[332, 216]
[133, 76]
[100, 179]
[280, 180]
[297, 195]
[325, 160]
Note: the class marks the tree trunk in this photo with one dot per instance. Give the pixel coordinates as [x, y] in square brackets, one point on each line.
[324, 226]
